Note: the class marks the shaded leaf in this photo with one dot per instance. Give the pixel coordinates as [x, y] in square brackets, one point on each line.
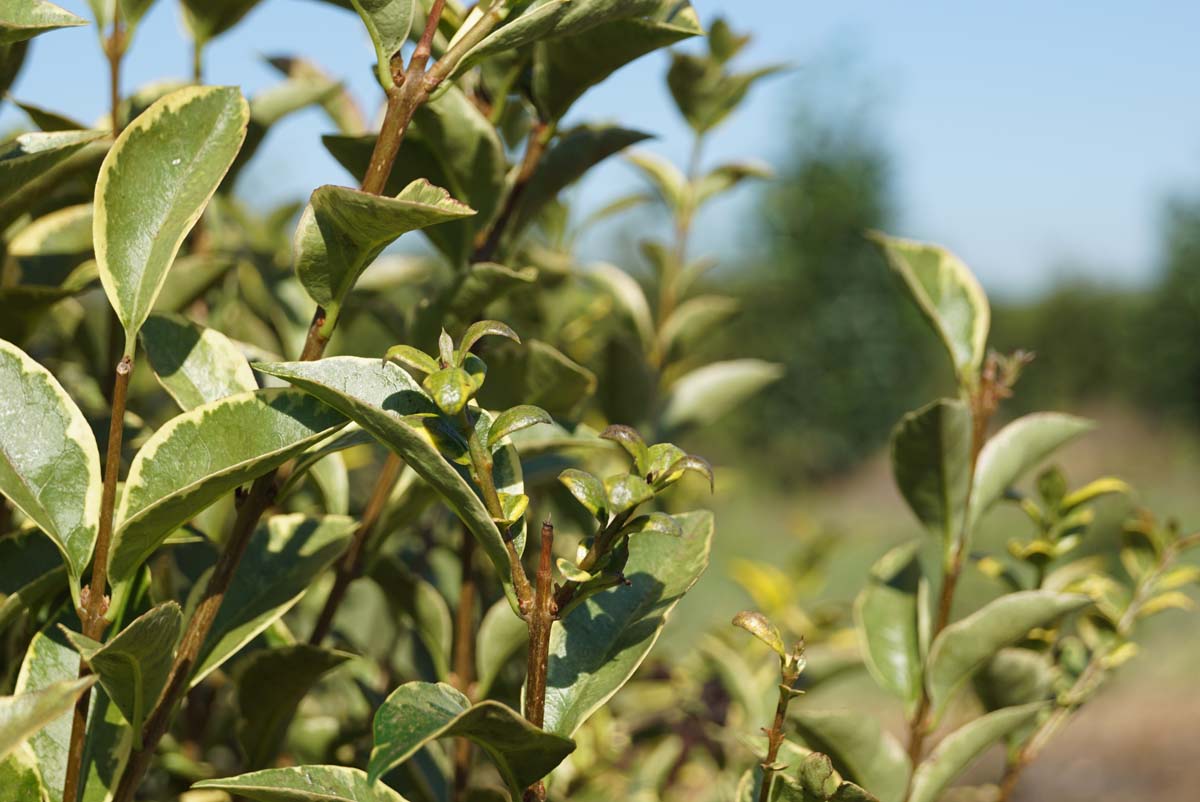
[568, 158]
[153, 187]
[270, 685]
[502, 636]
[203, 454]
[705, 93]
[860, 749]
[343, 230]
[565, 67]
[964, 646]
[931, 463]
[420, 712]
[514, 420]
[587, 490]
[959, 749]
[285, 555]
[134, 664]
[49, 463]
[32, 155]
[31, 571]
[209, 18]
[886, 618]
[596, 648]
[194, 364]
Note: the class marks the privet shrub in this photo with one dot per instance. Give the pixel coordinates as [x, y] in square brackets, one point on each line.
[315, 579]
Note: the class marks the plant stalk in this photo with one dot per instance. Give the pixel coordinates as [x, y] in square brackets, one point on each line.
[93, 599]
[350, 565]
[535, 148]
[775, 735]
[464, 653]
[541, 620]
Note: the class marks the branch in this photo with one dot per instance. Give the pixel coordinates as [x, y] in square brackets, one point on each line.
[541, 620]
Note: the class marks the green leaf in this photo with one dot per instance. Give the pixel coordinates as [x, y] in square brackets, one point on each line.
[1016, 449]
[203, 454]
[693, 321]
[194, 364]
[551, 19]
[31, 156]
[270, 686]
[554, 381]
[388, 24]
[343, 230]
[761, 627]
[49, 463]
[153, 187]
[705, 395]
[452, 144]
[629, 297]
[1015, 677]
[566, 67]
[413, 358]
[668, 180]
[931, 463]
[964, 646]
[25, 19]
[12, 58]
[420, 712]
[721, 179]
[133, 666]
[285, 556]
[960, 748]
[948, 296]
[568, 159]
[50, 659]
[19, 777]
[886, 620]
[860, 749]
[26, 713]
[304, 784]
[514, 420]
[415, 600]
[50, 248]
[611, 633]
[502, 636]
[209, 18]
[379, 397]
[450, 389]
[31, 572]
[657, 522]
[628, 438]
[132, 12]
[705, 93]
[587, 490]
[688, 463]
[477, 331]
[625, 492]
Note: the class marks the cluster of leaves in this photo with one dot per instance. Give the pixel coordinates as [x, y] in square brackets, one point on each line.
[1063, 618]
[234, 513]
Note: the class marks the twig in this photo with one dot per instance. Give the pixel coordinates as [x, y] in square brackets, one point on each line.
[93, 599]
[535, 148]
[775, 735]
[541, 619]
[464, 653]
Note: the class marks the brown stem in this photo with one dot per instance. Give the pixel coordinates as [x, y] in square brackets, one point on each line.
[350, 566]
[541, 620]
[464, 653]
[93, 600]
[535, 148]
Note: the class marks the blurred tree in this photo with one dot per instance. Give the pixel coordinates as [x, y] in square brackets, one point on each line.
[855, 358]
[1168, 342]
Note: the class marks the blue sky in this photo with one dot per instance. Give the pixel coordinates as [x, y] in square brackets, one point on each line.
[1028, 136]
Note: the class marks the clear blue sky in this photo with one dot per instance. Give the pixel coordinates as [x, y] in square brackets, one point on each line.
[1026, 135]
